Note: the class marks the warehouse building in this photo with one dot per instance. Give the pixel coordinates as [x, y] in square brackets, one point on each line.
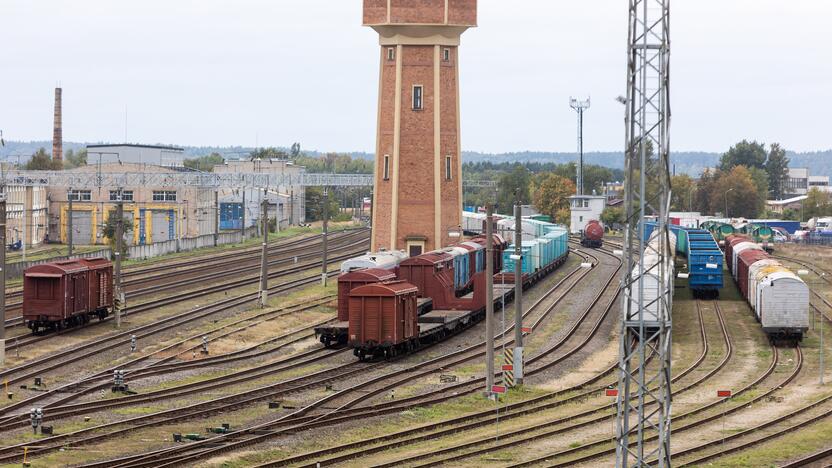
[26, 214]
[157, 155]
[158, 213]
[243, 205]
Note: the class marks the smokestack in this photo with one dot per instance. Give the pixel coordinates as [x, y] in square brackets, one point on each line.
[57, 132]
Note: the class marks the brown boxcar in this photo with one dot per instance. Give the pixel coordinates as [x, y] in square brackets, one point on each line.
[383, 319]
[744, 261]
[349, 281]
[59, 294]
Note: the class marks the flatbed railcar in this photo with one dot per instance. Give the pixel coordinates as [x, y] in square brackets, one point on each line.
[703, 255]
[373, 333]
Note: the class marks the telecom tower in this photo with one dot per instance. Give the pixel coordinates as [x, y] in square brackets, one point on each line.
[580, 107]
[644, 397]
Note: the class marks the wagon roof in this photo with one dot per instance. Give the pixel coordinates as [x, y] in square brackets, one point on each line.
[96, 262]
[56, 268]
[429, 258]
[377, 274]
[390, 288]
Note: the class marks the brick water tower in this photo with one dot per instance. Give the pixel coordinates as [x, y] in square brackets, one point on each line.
[417, 196]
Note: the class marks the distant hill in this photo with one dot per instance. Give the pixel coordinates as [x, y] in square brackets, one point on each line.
[686, 162]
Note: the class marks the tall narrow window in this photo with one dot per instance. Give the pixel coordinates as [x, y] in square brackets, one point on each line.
[391, 54]
[417, 97]
[386, 171]
[446, 55]
[447, 167]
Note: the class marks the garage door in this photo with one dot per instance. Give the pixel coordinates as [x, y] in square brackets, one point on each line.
[163, 226]
[81, 227]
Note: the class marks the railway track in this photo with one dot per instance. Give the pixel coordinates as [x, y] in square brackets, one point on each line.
[139, 281]
[302, 419]
[342, 249]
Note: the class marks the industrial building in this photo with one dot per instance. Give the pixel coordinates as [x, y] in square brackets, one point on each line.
[157, 155]
[158, 213]
[242, 206]
[583, 209]
[26, 214]
[800, 181]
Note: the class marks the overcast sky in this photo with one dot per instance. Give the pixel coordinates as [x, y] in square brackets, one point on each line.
[270, 72]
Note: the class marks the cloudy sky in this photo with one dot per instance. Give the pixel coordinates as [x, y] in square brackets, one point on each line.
[270, 72]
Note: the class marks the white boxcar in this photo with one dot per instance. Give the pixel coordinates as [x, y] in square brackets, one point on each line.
[753, 273]
[741, 247]
[783, 304]
[650, 279]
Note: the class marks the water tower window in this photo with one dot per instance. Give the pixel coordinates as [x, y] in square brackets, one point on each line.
[447, 167]
[391, 54]
[417, 97]
[386, 172]
[446, 55]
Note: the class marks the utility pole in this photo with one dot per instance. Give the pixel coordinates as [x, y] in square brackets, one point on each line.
[119, 247]
[580, 107]
[243, 214]
[70, 195]
[325, 212]
[489, 299]
[644, 392]
[3, 277]
[216, 217]
[518, 294]
[292, 207]
[264, 260]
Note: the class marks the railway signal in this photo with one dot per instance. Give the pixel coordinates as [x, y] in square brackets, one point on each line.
[132, 343]
[204, 345]
[35, 418]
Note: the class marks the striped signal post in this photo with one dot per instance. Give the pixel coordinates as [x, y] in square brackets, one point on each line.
[508, 368]
[726, 395]
[489, 300]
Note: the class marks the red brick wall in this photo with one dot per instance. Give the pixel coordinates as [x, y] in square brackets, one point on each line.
[462, 12]
[417, 11]
[416, 152]
[451, 206]
[375, 11]
[383, 201]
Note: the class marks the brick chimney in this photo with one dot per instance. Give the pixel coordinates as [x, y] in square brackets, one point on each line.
[57, 131]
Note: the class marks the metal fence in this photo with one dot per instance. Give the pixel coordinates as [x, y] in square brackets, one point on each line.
[142, 252]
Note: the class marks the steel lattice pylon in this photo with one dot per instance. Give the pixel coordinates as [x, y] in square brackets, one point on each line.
[644, 398]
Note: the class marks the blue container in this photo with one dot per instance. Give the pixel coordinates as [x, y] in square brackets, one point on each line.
[525, 264]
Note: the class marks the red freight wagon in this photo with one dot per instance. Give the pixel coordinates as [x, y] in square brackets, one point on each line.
[66, 293]
[383, 316]
[432, 273]
[730, 242]
[100, 282]
[349, 281]
[500, 244]
[744, 261]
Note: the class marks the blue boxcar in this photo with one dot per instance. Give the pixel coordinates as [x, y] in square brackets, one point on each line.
[704, 258]
[525, 263]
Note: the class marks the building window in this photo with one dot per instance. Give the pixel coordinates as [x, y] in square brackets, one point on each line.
[386, 170]
[446, 55]
[391, 54]
[447, 167]
[417, 97]
[164, 195]
[126, 195]
[79, 195]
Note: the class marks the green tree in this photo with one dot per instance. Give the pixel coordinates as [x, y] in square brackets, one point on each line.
[682, 188]
[738, 189]
[269, 153]
[518, 178]
[612, 215]
[110, 229]
[204, 163]
[42, 161]
[314, 204]
[744, 153]
[550, 195]
[777, 167]
[73, 159]
[761, 182]
[816, 204]
[702, 195]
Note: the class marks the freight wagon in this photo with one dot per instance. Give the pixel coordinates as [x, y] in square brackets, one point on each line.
[378, 332]
[778, 297]
[703, 256]
[67, 293]
[654, 288]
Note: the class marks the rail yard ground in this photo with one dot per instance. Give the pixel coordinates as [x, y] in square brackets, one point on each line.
[425, 408]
